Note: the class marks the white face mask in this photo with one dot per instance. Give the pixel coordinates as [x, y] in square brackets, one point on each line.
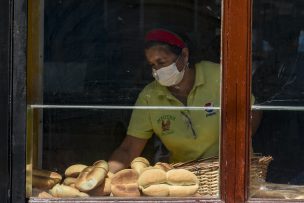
[169, 75]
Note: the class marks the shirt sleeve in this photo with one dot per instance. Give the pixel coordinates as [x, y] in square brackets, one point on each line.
[140, 124]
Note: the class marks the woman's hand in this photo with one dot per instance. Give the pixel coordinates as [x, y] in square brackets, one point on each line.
[130, 148]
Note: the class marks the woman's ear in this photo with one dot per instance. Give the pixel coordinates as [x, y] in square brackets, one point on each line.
[185, 54]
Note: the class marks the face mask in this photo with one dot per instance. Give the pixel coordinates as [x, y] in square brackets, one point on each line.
[169, 75]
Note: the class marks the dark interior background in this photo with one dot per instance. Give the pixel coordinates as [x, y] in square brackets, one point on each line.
[5, 101]
[278, 80]
[93, 55]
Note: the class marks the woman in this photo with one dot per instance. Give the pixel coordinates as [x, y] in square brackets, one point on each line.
[187, 134]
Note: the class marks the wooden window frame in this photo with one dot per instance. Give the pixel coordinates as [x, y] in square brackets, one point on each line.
[236, 91]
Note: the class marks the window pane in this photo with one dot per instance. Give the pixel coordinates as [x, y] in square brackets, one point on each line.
[277, 73]
[114, 80]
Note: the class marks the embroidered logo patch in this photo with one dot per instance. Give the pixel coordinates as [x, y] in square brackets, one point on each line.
[165, 124]
[209, 111]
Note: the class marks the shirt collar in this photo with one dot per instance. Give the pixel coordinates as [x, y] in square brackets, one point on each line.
[199, 75]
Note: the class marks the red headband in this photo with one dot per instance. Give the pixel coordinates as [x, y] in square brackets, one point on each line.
[161, 35]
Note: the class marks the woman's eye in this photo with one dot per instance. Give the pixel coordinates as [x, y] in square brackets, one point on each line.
[159, 65]
[162, 64]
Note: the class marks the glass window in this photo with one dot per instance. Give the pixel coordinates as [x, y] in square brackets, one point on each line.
[117, 80]
[277, 84]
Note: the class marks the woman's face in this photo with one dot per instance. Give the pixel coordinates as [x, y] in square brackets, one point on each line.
[159, 56]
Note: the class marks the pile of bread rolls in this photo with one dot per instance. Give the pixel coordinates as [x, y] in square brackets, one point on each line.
[80, 181]
[140, 179]
[160, 180]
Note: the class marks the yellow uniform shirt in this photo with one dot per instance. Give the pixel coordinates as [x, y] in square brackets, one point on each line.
[187, 134]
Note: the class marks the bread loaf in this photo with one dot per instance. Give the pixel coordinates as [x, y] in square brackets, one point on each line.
[92, 176]
[124, 183]
[74, 170]
[66, 191]
[139, 163]
[44, 179]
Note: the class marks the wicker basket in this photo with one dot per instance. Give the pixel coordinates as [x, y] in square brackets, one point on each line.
[207, 171]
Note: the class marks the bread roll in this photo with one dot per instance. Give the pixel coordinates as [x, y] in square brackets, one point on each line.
[158, 190]
[139, 163]
[44, 195]
[163, 166]
[125, 176]
[102, 164]
[99, 172]
[102, 190]
[110, 175]
[299, 197]
[152, 177]
[181, 177]
[92, 176]
[74, 170]
[43, 183]
[174, 183]
[47, 174]
[82, 178]
[44, 179]
[124, 183]
[69, 181]
[147, 168]
[182, 191]
[66, 191]
[125, 190]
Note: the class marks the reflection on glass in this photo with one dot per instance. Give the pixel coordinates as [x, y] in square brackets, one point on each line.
[101, 101]
[278, 86]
